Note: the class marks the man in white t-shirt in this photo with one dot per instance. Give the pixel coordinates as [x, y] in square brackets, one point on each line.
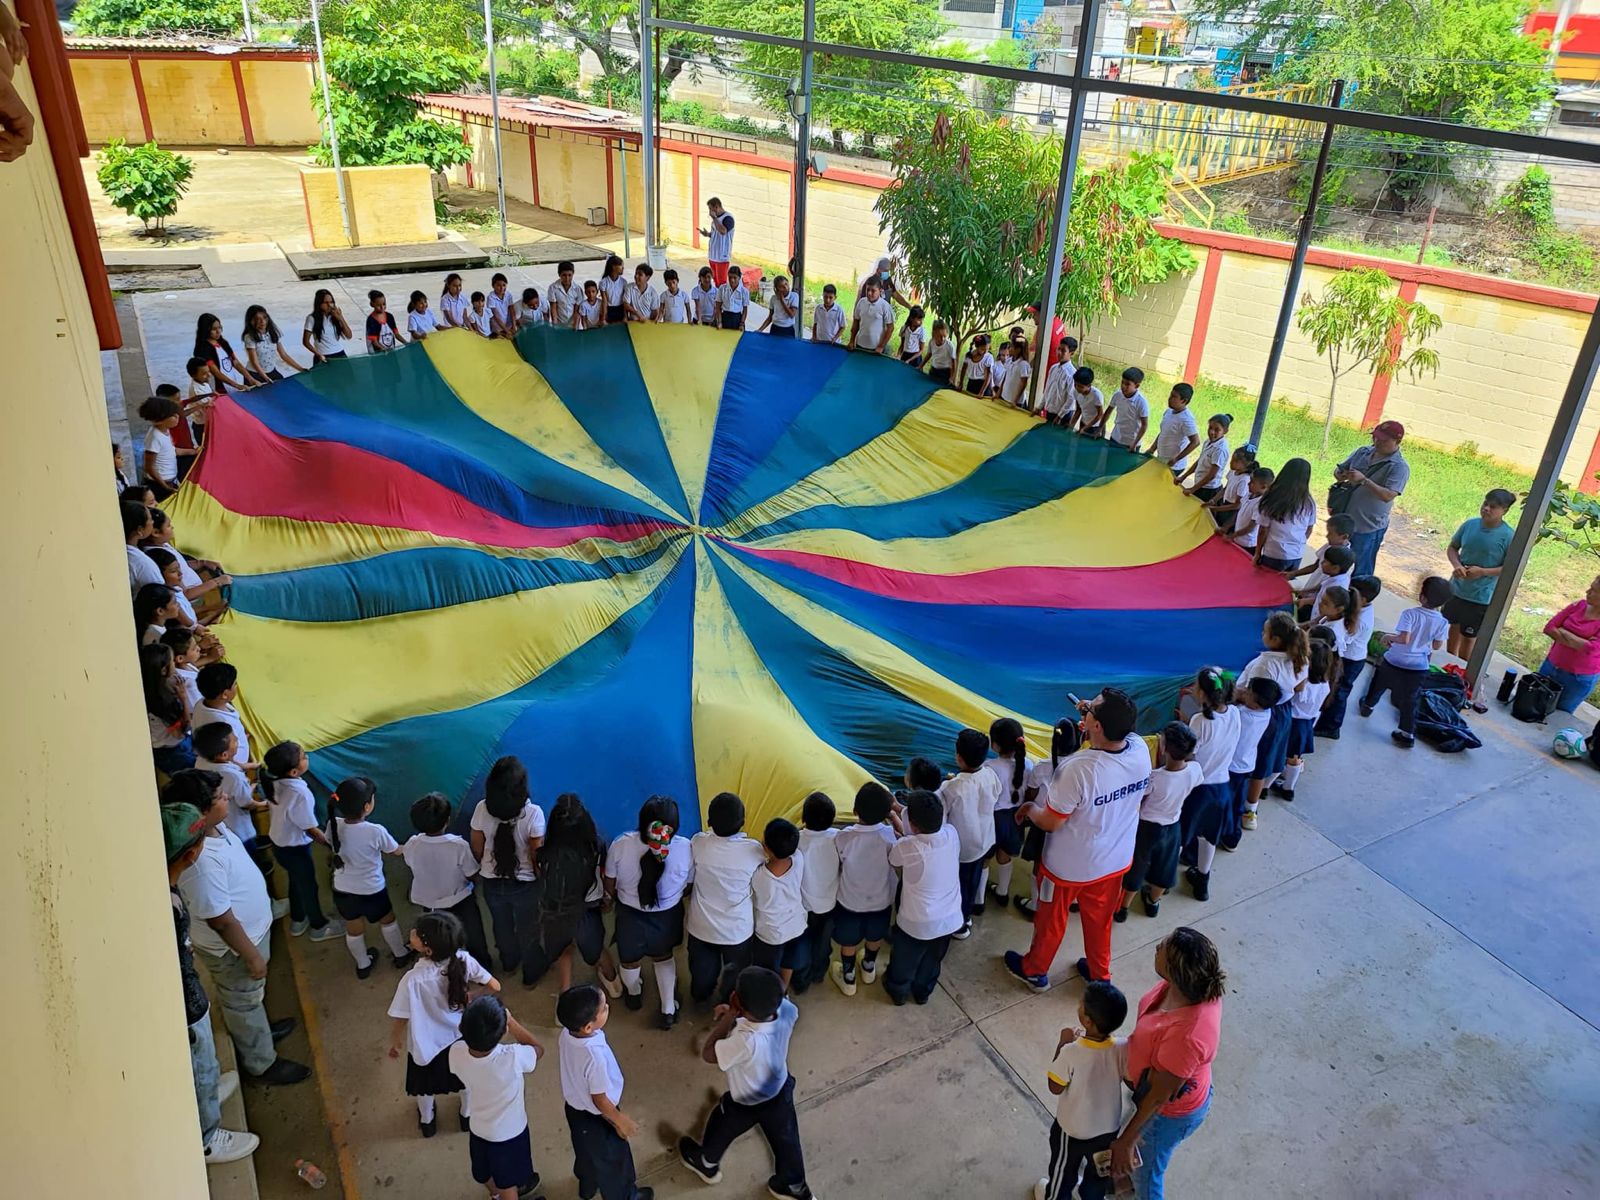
[1090, 816]
[719, 248]
[232, 931]
[873, 322]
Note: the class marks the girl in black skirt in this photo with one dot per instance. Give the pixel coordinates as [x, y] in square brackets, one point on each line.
[569, 911]
[647, 873]
[427, 1010]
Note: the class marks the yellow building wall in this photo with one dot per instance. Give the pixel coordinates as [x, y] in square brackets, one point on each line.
[279, 96]
[572, 173]
[677, 216]
[758, 198]
[97, 1058]
[192, 103]
[627, 164]
[842, 237]
[518, 164]
[1154, 327]
[389, 206]
[106, 96]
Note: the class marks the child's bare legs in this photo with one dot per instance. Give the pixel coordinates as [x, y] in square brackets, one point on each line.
[564, 969]
[785, 974]
[606, 966]
[500, 1193]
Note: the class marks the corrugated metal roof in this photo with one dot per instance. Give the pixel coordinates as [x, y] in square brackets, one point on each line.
[547, 111]
[193, 45]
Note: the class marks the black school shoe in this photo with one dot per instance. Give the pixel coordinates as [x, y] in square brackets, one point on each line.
[429, 1128]
[1151, 907]
[1120, 915]
[530, 1189]
[372, 961]
[1000, 900]
[800, 1191]
[1281, 792]
[1404, 740]
[691, 1156]
[282, 1029]
[1199, 883]
[633, 1001]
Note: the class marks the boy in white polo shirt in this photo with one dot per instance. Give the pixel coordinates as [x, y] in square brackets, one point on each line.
[1179, 436]
[827, 319]
[1419, 632]
[720, 920]
[872, 324]
[819, 886]
[750, 1042]
[563, 296]
[777, 887]
[969, 798]
[214, 747]
[591, 1085]
[1131, 411]
[928, 855]
[733, 302]
[866, 886]
[442, 870]
[219, 684]
[1087, 1074]
[491, 1074]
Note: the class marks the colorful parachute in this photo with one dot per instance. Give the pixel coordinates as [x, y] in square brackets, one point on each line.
[669, 559]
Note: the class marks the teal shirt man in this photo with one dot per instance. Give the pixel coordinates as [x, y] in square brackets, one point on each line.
[1477, 553]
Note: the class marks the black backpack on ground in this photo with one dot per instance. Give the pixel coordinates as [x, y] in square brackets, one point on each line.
[1536, 698]
[1439, 721]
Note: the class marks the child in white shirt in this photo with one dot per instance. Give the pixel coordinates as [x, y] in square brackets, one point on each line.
[214, 747]
[703, 300]
[778, 887]
[500, 304]
[426, 1012]
[1087, 1074]
[941, 355]
[1155, 849]
[1225, 506]
[866, 887]
[1056, 398]
[1247, 517]
[1321, 676]
[357, 847]
[1010, 767]
[420, 321]
[969, 798]
[783, 314]
[998, 372]
[721, 919]
[1131, 411]
[477, 318]
[1254, 701]
[453, 306]
[975, 367]
[491, 1074]
[827, 319]
[1418, 633]
[589, 312]
[646, 871]
[1014, 387]
[819, 887]
[1178, 436]
[292, 827]
[442, 870]
[733, 302]
[913, 337]
[641, 299]
[674, 303]
[932, 909]
[561, 297]
[591, 1086]
[530, 310]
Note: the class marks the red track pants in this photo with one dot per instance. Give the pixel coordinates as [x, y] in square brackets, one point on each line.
[1097, 901]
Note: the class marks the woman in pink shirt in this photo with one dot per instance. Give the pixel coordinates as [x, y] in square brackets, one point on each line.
[1574, 658]
[1169, 1057]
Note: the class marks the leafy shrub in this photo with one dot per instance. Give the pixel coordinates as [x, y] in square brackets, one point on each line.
[143, 181]
[133, 18]
[532, 70]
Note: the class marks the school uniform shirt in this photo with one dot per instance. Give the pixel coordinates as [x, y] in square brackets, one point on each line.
[754, 1056]
[381, 331]
[1003, 769]
[941, 355]
[1015, 385]
[1252, 724]
[561, 301]
[1287, 539]
[478, 322]
[997, 375]
[1130, 411]
[1322, 581]
[422, 999]
[719, 909]
[1163, 800]
[1216, 739]
[780, 902]
[140, 569]
[975, 370]
[455, 308]
[501, 307]
[829, 322]
[442, 868]
[1352, 643]
[819, 886]
[590, 312]
[362, 845]
[188, 683]
[1426, 626]
[877, 319]
[187, 573]
[624, 866]
[866, 880]
[291, 811]
[785, 310]
[1090, 405]
[1176, 430]
[1057, 385]
[530, 824]
[494, 1087]
[186, 610]
[913, 340]
[206, 714]
[646, 301]
[266, 349]
[1307, 702]
[1099, 791]
[525, 316]
[1213, 461]
[1237, 488]
[930, 872]
[969, 802]
[1249, 510]
[612, 291]
[1093, 1070]
[720, 247]
[1276, 666]
[588, 1069]
[675, 308]
[704, 302]
[329, 341]
[422, 323]
[225, 877]
[733, 299]
[237, 792]
[159, 443]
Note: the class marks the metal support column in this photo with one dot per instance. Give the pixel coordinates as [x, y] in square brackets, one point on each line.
[647, 131]
[494, 103]
[1297, 266]
[1554, 455]
[333, 129]
[1058, 223]
[800, 109]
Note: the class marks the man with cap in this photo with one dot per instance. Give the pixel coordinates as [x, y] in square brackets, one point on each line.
[1368, 483]
[184, 831]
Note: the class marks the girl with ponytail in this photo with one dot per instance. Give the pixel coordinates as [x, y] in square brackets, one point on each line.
[1285, 660]
[1208, 810]
[359, 891]
[506, 831]
[569, 913]
[1065, 740]
[291, 828]
[1354, 632]
[646, 872]
[1011, 765]
[427, 1010]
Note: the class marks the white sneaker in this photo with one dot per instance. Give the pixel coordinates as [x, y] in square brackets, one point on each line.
[847, 986]
[613, 986]
[964, 932]
[227, 1085]
[229, 1145]
[280, 909]
[867, 969]
[1041, 1190]
[333, 929]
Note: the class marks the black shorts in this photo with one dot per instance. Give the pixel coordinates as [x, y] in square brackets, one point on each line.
[1007, 833]
[781, 330]
[940, 375]
[1155, 857]
[641, 934]
[509, 1163]
[912, 360]
[795, 954]
[733, 320]
[353, 907]
[432, 1078]
[584, 929]
[1465, 614]
[975, 387]
[614, 314]
[851, 928]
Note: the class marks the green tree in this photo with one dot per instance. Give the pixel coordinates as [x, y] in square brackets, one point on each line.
[591, 23]
[1462, 61]
[1360, 321]
[143, 181]
[528, 69]
[137, 18]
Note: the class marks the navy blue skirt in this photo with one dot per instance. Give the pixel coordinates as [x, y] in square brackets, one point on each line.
[1207, 813]
[1273, 752]
[1301, 740]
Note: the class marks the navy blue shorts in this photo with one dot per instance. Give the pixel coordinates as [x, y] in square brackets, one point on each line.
[1301, 740]
[1155, 857]
[851, 928]
[352, 907]
[641, 934]
[795, 954]
[1007, 833]
[507, 1164]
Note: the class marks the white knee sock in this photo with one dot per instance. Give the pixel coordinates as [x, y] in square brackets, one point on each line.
[667, 984]
[1204, 854]
[632, 980]
[1291, 775]
[425, 1108]
[983, 885]
[466, 1106]
[1033, 887]
[1002, 877]
[392, 939]
[358, 949]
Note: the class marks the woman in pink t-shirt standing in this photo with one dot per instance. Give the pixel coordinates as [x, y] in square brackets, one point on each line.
[1169, 1057]
[1574, 658]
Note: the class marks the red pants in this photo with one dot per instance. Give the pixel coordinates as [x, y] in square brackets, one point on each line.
[719, 273]
[1097, 901]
